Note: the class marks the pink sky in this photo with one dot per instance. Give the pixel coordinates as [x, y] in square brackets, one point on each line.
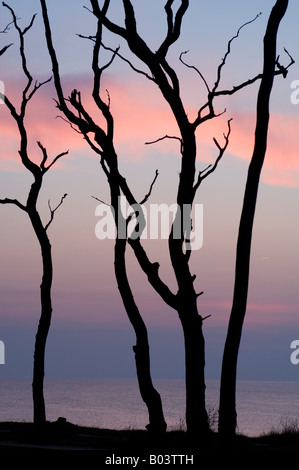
[142, 118]
[84, 289]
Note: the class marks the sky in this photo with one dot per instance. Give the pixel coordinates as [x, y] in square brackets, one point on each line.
[90, 334]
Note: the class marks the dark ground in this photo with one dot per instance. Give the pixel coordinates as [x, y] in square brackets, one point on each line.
[70, 444]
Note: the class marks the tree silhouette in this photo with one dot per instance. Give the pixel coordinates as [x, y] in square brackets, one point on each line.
[40, 229]
[163, 75]
[103, 145]
[227, 408]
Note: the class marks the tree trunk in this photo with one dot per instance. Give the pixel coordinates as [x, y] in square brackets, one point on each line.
[227, 407]
[39, 413]
[196, 415]
[148, 393]
[105, 148]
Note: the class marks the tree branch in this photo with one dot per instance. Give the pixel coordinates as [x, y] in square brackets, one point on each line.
[101, 14]
[62, 154]
[14, 202]
[37, 86]
[2, 51]
[282, 70]
[70, 124]
[196, 69]
[165, 137]
[101, 201]
[223, 62]
[52, 211]
[97, 74]
[115, 51]
[62, 105]
[22, 54]
[146, 197]
[174, 29]
[151, 270]
[211, 168]
[94, 39]
[45, 158]
[212, 93]
[7, 28]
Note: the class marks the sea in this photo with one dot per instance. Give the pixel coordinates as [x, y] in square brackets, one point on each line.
[116, 403]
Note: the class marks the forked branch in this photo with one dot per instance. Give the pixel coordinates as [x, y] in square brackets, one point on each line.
[45, 158]
[223, 62]
[52, 211]
[211, 168]
[7, 28]
[116, 53]
[22, 48]
[174, 28]
[281, 70]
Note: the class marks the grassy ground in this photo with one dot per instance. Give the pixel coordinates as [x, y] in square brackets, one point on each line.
[63, 439]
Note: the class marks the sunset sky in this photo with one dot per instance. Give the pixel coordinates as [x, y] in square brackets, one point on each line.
[90, 334]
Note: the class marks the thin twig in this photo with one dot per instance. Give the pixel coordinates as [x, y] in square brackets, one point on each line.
[37, 86]
[211, 168]
[102, 202]
[62, 154]
[211, 94]
[115, 52]
[281, 71]
[5, 49]
[284, 70]
[22, 51]
[7, 28]
[144, 200]
[71, 125]
[194, 68]
[45, 155]
[208, 316]
[52, 211]
[163, 138]
[223, 62]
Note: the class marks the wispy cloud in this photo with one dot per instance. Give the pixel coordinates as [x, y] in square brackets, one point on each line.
[141, 116]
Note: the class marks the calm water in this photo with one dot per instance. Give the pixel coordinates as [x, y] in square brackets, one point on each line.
[116, 404]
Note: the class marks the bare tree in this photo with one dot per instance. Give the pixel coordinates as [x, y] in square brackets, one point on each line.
[162, 74]
[40, 229]
[184, 301]
[227, 409]
[103, 145]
